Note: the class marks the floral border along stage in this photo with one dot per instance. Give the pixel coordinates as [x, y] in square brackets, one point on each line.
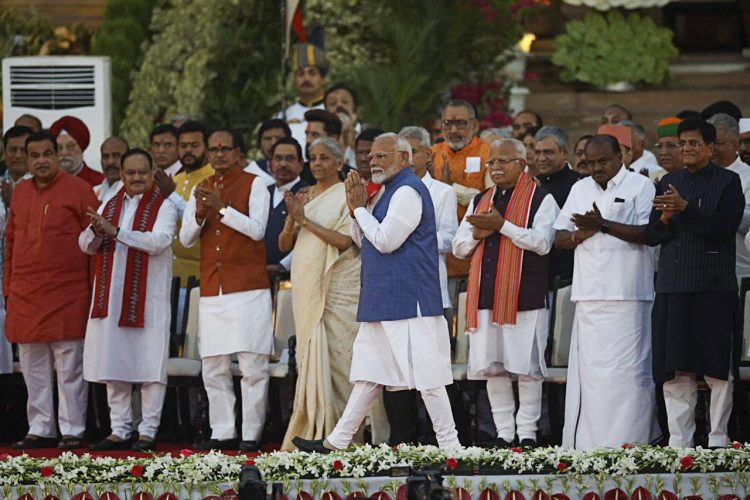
[194, 468]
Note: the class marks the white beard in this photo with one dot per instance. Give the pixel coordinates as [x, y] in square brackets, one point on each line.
[71, 164]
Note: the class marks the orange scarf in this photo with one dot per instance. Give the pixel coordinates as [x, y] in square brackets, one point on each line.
[509, 261]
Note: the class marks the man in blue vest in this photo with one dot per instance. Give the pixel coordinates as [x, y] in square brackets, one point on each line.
[403, 340]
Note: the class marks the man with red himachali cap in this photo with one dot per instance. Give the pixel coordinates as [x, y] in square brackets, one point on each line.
[667, 149]
[610, 350]
[46, 281]
[72, 140]
[127, 336]
[508, 234]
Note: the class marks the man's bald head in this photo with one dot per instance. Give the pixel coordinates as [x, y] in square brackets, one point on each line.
[112, 150]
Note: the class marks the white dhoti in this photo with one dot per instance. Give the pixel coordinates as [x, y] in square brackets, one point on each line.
[496, 352]
[410, 353]
[236, 323]
[610, 397]
[38, 361]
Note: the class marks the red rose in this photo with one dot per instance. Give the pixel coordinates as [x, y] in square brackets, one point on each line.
[137, 470]
[337, 465]
[452, 463]
[562, 466]
[186, 452]
[686, 462]
[516, 450]
[4, 456]
[249, 461]
[626, 446]
[736, 445]
[47, 471]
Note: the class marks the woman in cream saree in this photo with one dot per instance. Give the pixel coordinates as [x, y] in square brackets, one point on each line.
[325, 294]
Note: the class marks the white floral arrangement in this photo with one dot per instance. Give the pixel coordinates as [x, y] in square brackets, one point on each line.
[613, 4]
[70, 471]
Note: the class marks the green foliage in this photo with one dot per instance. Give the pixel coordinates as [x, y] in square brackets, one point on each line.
[32, 29]
[404, 56]
[123, 33]
[213, 59]
[602, 50]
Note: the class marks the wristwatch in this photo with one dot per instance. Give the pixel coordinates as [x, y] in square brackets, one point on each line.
[605, 228]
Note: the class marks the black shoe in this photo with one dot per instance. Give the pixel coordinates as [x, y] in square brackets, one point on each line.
[32, 442]
[249, 446]
[107, 444]
[311, 445]
[144, 445]
[217, 444]
[500, 443]
[528, 443]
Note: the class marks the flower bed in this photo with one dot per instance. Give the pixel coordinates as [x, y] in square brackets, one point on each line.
[192, 474]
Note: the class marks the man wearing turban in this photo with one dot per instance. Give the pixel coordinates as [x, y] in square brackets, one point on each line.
[73, 137]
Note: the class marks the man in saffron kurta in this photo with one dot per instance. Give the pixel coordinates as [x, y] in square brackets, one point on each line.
[127, 337]
[402, 341]
[508, 234]
[459, 161]
[228, 212]
[46, 281]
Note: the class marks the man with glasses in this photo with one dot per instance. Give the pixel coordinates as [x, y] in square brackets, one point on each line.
[725, 156]
[286, 164]
[459, 162]
[668, 153]
[507, 235]
[127, 335]
[610, 359]
[73, 138]
[697, 212]
[228, 213]
[403, 341]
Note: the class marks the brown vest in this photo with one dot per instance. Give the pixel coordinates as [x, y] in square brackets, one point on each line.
[231, 261]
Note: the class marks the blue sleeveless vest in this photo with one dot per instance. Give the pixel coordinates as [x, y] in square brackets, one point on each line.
[394, 284]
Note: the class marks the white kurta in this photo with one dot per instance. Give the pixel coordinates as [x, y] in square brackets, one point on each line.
[6, 352]
[128, 354]
[610, 391]
[410, 353]
[240, 321]
[295, 118]
[647, 161]
[445, 204]
[495, 349]
[743, 255]
[105, 190]
[253, 168]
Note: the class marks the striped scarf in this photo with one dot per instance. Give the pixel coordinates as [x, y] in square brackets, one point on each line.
[136, 269]
[509, 261]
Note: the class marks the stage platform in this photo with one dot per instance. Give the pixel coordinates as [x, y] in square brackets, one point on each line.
[627, 473]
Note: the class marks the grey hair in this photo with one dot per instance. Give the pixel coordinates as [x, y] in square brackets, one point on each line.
[333, 146]
[417, 133]
[493, 131]
[635, 127]
[560, 136]
[517, 145]
[402, 145]
[727, 122]
[460, 103]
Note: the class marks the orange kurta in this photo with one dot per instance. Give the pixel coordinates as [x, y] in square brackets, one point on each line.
[46, 276]
[457, 164]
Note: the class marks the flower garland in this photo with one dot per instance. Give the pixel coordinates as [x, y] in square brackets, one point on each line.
[69, 469]
[613, 4]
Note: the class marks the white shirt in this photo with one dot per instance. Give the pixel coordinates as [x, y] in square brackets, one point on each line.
[445, 204]
[253, 168]
[105, 190]
[743, 255]
[538, 238]
[295, 118]
[605, 267]
[128, 354]
[278, 191]
[173, 169]
[647, 161]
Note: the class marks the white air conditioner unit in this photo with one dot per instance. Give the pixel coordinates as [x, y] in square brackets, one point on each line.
[55, 86]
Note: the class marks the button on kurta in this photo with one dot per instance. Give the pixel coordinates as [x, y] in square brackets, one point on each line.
[218, 248]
